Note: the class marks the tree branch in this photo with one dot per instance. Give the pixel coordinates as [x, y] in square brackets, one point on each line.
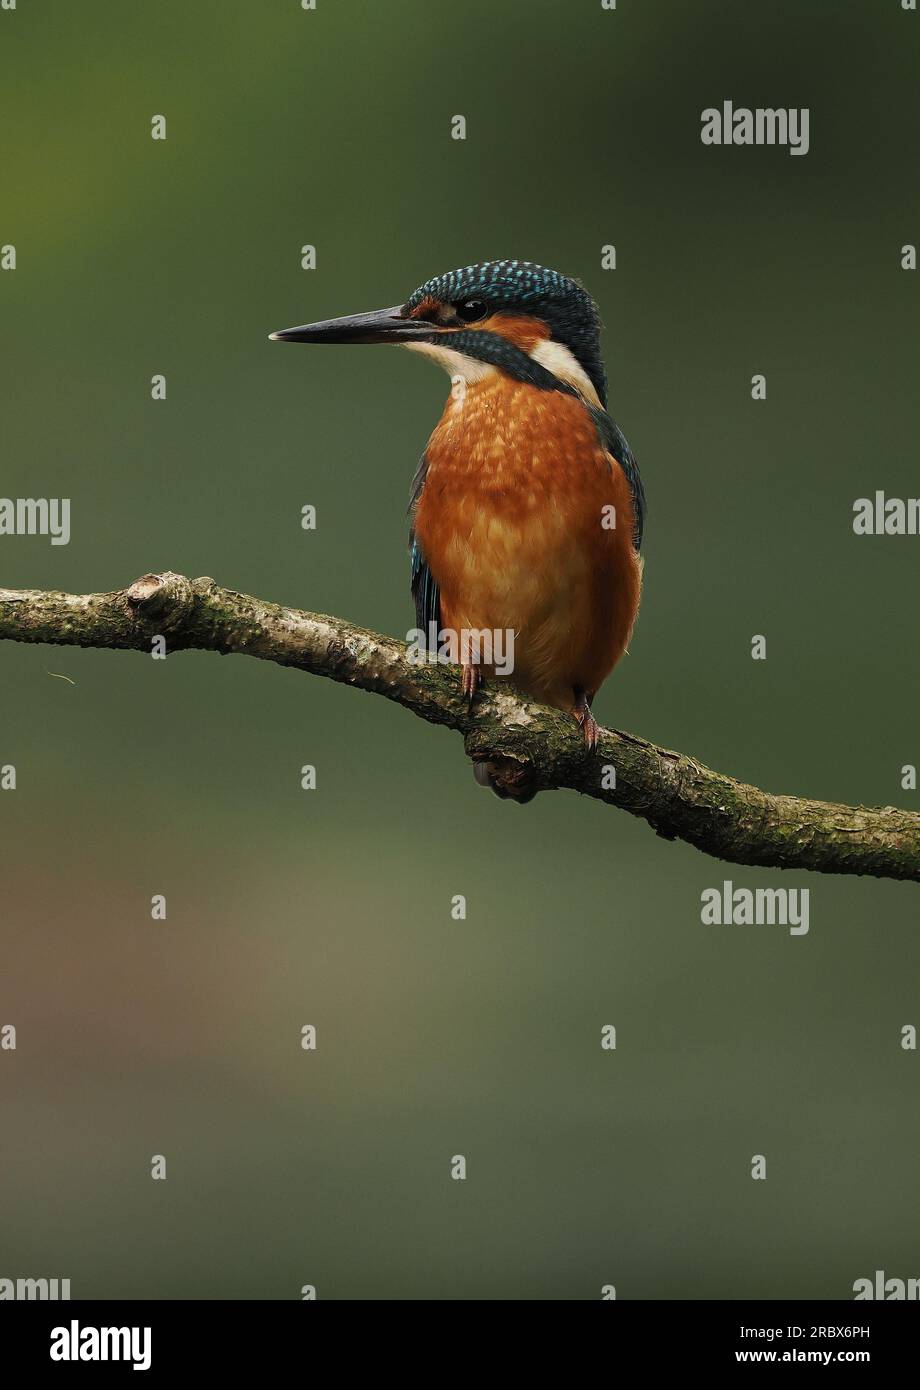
[528, 743]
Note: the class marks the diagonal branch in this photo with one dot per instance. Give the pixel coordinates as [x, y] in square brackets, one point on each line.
[678, 797]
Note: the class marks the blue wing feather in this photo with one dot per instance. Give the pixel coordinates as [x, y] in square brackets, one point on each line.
[613, 441]
[425, 589]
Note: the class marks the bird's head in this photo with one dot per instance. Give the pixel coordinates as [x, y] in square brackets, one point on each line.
[500, 316]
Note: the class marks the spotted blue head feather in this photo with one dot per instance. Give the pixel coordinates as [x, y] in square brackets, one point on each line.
[559, 301]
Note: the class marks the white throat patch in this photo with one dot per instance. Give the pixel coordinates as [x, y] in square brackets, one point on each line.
[454, 363]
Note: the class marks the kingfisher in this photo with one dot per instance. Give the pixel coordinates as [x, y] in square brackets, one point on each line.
[527, 508]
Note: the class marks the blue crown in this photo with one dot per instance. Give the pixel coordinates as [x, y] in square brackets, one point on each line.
[568, 310]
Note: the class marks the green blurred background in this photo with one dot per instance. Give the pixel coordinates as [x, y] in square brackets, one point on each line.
[182, 777]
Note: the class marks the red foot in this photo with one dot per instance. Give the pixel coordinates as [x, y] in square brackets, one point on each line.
[470, 681]
[586, 720]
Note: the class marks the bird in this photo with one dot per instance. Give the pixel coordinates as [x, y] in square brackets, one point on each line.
[527, 508]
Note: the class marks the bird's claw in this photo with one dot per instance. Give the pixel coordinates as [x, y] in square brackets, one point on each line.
[587, 723]
[469, 681]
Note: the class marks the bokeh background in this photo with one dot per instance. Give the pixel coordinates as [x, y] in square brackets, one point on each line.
[182, 777]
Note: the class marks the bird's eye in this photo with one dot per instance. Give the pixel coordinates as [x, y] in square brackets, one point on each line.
[471, 310]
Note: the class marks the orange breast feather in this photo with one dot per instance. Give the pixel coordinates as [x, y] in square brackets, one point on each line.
[512, 522]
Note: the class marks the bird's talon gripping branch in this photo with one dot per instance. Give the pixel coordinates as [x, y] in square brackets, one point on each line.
[469, 681]
[587, 722]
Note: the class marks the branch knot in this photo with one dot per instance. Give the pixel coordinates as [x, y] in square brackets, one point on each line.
[164, 598]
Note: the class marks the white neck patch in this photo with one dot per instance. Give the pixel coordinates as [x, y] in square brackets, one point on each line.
[557, 358]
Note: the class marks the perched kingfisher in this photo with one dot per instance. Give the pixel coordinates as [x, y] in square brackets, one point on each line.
[527, 507]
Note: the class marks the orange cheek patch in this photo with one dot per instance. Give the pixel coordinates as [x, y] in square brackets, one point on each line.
[522, 331]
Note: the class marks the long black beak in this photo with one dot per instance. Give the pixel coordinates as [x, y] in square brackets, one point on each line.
[379, 326]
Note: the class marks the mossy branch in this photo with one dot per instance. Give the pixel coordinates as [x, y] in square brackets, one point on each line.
[525, 742]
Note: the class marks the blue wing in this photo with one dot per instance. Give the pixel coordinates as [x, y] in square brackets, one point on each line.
[612, 439]
[425, 588]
